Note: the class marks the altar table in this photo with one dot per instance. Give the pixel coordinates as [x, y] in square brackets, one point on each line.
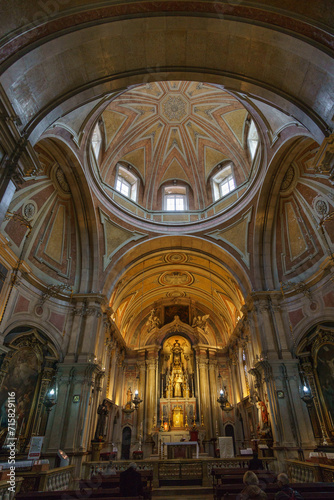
[181, 449]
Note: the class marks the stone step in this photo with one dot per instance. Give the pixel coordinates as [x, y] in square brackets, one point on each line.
[183, 492]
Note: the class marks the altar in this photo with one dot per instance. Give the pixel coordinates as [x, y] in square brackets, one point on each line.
[183, 449]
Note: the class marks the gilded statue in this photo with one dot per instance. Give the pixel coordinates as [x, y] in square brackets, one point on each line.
[178, 382]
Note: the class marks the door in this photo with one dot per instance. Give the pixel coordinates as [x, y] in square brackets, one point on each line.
[126, 443]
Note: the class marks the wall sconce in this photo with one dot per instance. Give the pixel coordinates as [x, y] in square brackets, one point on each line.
[51, 395]
[133, 404]
[306, 395]
[136, 400]
[223, 400]
[305, 390]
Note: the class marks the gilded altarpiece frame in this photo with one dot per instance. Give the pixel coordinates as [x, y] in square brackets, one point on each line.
[323, 364]
[27, 369]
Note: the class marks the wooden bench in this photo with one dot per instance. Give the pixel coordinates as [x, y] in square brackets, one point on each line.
[271, 496]
[231, 491]
[223, 474]
[71, 495]
[107, 482]
[220, 472]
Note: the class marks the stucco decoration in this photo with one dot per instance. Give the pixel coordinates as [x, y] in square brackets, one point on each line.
[236, 235]
[115, 237]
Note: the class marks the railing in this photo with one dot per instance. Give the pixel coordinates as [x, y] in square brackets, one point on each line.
[269, 463]
[308, 472]
[183, 217]
[163, 469]
[58, 479]
[49, 480]
[5, 493]
[92, 468]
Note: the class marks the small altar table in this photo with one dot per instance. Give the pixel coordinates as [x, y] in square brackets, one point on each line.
[181, 449]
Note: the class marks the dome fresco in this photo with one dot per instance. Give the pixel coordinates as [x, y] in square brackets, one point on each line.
[174, 132]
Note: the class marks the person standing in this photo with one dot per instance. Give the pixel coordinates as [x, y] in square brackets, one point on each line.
[130, 483]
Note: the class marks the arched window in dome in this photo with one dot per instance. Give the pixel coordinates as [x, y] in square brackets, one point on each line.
[126, 182]
[223, 182]
[97, 140]
[252, 139]
[175, 198]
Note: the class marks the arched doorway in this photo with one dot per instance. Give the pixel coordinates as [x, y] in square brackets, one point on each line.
[126, 443]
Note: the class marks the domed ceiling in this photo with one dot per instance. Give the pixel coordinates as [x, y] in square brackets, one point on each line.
[174, 131]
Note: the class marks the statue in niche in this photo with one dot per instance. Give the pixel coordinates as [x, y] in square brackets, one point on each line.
[102, 412]
[177, 349]
[263, 429]
[177, 369]
[178, 383]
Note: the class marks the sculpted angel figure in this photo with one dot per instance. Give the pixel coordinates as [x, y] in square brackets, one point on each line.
[153, 321]
[200, 321]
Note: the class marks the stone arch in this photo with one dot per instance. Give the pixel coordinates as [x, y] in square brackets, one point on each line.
[268, 198]
[179, 59]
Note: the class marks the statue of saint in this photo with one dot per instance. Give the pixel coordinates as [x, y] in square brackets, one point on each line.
[178, 386]
[101, 430]
[177, 349]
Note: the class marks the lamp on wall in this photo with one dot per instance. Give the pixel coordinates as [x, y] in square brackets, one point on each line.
[51, 395]
[136, 400]
[306, 395]
[133, 404]
[223, 400]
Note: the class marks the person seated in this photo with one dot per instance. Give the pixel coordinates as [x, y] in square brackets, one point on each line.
[252, 489]
[285, 490]
[130, 482]
[255, 463]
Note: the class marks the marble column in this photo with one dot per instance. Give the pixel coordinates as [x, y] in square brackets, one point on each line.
[141, 392]
[214, 393]
[151, 393]
[205, 394]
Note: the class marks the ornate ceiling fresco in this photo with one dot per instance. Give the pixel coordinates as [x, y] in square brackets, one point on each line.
[173, 131]
[187, 284]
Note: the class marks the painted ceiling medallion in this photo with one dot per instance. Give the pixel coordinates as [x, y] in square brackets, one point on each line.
[320, 206]
[176, 278]
[174, 108]
[176, 258]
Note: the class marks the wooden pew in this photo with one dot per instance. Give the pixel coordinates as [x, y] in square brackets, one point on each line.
[70, 495]
[231, 491]
[224, 474]
[271, 496]
[107, 482]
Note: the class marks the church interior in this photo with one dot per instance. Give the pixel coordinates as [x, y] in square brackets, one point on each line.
[167, 232]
